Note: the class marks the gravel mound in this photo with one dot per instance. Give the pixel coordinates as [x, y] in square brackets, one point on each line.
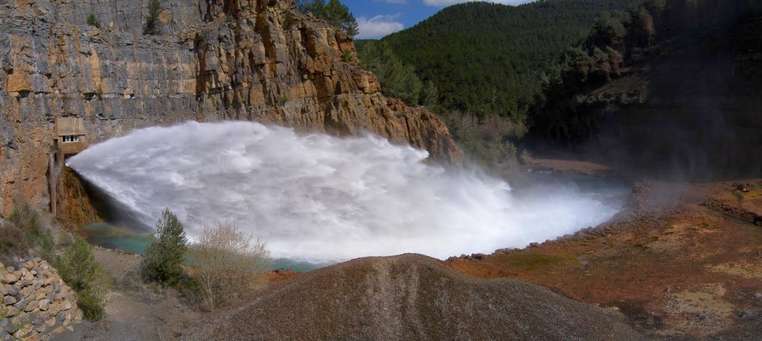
[411, 297]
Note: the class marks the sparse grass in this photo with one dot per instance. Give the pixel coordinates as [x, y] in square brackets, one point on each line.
[738, 194]
[23, 234]
[347, 57]
[527, 261]
[282, 100]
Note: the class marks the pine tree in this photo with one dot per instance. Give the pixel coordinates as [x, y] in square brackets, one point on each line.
[152, 20]
[79, 269]
[334, 12]
[163, 258]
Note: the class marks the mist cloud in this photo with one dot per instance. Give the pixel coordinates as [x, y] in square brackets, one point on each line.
[322, 198]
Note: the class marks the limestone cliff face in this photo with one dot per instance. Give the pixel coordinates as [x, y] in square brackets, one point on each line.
[214, 60]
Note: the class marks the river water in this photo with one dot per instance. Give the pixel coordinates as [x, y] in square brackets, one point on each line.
[321, 199]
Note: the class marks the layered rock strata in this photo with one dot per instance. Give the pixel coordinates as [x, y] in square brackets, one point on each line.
[213, 60]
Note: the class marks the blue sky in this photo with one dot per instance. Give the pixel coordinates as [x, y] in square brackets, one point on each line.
[378, 18]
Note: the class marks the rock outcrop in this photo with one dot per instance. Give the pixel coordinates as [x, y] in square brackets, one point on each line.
[213, 60]
[35, 302]
[411, 297]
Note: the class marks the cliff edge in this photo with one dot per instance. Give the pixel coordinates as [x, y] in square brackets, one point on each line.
[213, 60]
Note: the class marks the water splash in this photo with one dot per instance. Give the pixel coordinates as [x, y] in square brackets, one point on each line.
[322, 198]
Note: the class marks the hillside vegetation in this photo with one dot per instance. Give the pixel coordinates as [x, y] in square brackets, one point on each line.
[484, 58]
[482, 66]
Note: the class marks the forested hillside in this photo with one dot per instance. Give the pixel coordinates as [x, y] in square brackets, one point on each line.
[486, 58]
[680, 77]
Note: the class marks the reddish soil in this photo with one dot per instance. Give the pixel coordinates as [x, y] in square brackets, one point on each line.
[279, 276]
[684, 261]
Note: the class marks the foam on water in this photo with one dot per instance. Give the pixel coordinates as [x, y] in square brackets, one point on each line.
[322, 198]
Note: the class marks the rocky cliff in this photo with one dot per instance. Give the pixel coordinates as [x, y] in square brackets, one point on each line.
[213, 60]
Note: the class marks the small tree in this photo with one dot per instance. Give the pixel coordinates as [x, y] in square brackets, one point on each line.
[227, 263]
[152, 20]
[334, 12]
[82, 273]
[92, 20]
[163, 258]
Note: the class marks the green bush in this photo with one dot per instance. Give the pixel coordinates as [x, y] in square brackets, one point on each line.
[347, 57]
[93, 21]
[92, 304]
[163, 258]
[78, 268]
[152, 20]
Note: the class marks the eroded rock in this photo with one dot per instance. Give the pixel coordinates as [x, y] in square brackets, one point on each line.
[214, 60]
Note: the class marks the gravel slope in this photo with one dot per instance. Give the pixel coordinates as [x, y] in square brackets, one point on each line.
[411, 297]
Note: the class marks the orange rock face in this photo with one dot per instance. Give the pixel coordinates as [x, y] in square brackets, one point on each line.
[213, 60]
[685, 261]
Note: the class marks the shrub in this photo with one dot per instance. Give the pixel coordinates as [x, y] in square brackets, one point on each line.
[24, 232]
[347, 57]
[332, 11]
[152, 20]
[78, 268]
[92, 20]
[162, 261]
[227, 263]
[92, 304]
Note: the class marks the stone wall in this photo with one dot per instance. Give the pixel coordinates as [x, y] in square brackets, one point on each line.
[214, 60]
[35, 302]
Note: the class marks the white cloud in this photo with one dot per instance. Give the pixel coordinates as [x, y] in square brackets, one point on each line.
[378, 26]
[441, 3]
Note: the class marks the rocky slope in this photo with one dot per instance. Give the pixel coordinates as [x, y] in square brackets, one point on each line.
[684, 262]
[36, 303]
[216, 59]
[411, 297]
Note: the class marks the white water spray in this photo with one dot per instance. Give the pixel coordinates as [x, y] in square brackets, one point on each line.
[322, 198]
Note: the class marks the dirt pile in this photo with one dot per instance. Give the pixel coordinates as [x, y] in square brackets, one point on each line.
[411, 297]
